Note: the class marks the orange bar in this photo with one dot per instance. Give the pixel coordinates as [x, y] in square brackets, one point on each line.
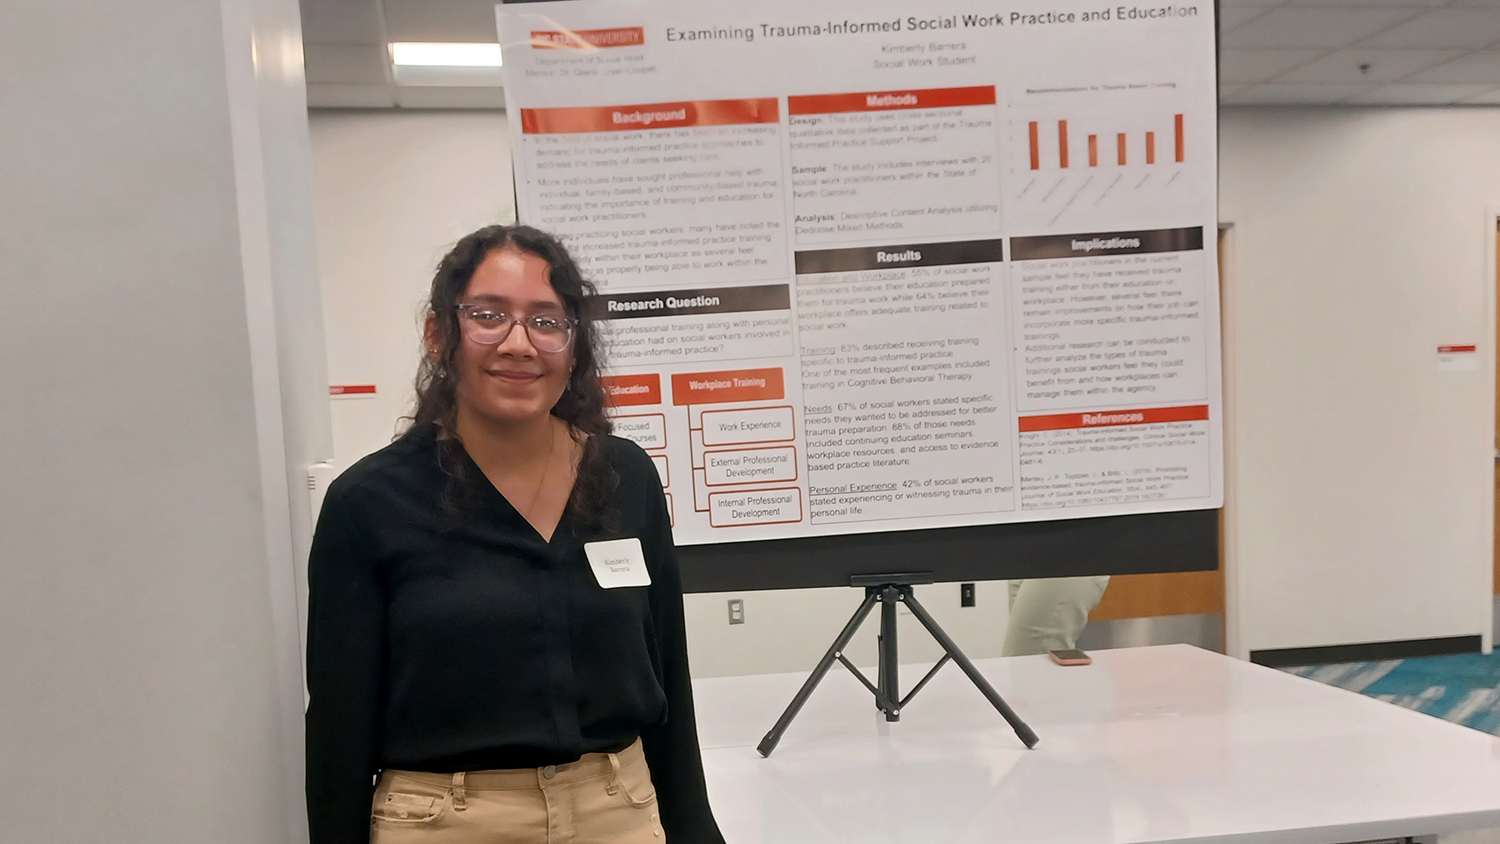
[1150, 147]
[633, 118]
[1093, 150]
[1120, 149]
[1062, 143]
[1036, 148]
[1179, 138]
[1113, 418]
[888, 100]
[584, 39]
[728, 386]
[628, 390]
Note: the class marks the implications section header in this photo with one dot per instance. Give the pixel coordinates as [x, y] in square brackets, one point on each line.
[711, 300]
[1105, 243]
[633, 118]
[905, 255]
[887, 100]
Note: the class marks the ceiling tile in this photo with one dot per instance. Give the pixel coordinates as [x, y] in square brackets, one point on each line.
[345, 63]
[1313, 28]
[441, 20]
[1228, 91]
[1382, 65]
[460, 97]
[450, 77]
[1232, 16]
[1405, 94]
[1293, 94]
[1479, 66]
[1444, 28]
[1491, 97]
[350, 96]
[1260, 65]
[341, 21]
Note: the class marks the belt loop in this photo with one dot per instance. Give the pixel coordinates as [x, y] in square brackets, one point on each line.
[614, 775]
[459, 795]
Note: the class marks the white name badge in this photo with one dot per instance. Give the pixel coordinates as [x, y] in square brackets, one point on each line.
[618, 563]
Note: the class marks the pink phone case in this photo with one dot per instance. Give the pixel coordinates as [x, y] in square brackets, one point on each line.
[1085, 660]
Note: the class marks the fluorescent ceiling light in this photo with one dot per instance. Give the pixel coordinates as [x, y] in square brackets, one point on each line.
[432, 54]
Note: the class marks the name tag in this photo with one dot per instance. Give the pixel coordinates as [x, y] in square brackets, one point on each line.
[618, 562]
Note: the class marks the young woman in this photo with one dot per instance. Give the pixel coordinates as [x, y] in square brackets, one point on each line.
[484, 661]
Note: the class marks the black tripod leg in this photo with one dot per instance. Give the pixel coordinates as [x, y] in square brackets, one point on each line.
[1023, 732]
[773, 738]
[889, 699]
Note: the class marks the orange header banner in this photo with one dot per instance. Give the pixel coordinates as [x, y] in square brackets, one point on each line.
[729, 386]
[584, 39]
[628, 390]
[1113, 418]
[633, 118]
[888, 100]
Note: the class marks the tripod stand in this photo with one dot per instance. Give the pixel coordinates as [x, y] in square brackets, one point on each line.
[888, 590]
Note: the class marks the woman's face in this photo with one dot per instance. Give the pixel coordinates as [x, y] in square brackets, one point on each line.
[511, 381]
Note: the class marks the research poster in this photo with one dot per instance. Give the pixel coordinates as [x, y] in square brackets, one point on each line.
[888, 265]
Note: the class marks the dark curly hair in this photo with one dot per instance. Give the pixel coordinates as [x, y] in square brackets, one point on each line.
[581, 404]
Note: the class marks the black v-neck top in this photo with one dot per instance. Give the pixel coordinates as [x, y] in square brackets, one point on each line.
[459, 643]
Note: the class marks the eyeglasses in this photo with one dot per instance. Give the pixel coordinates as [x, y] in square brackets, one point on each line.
[489, 326]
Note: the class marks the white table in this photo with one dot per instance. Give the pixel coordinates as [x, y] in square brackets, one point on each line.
[1146, 745]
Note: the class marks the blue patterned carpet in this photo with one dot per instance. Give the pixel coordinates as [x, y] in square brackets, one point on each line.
[1464, 688]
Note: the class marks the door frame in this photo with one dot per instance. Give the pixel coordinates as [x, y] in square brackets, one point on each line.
[1231, 229]
[1234, 225]
[1487, 358]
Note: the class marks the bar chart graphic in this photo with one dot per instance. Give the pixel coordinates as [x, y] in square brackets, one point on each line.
[1072, 165]
[1146, 139]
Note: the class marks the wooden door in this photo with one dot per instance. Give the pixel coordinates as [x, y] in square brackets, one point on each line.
[1179, 593]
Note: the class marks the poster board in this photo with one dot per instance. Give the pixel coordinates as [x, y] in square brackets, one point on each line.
[891, 268]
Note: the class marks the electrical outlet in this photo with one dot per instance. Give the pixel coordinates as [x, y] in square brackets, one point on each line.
[736, 610]
[966, 594]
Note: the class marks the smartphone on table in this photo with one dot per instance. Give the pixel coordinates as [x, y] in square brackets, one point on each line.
[1071, 656]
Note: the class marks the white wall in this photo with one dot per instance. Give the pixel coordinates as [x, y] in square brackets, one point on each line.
[394, 191]
[790, 630]
[150, 684]
[1362, 477]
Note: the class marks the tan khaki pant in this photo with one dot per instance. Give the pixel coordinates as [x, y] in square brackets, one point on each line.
[603, 798]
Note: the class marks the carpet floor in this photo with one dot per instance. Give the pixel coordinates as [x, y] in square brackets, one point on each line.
[1462, 688]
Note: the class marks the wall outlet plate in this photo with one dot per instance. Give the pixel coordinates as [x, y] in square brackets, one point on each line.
[966, 594]
[736, 610]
